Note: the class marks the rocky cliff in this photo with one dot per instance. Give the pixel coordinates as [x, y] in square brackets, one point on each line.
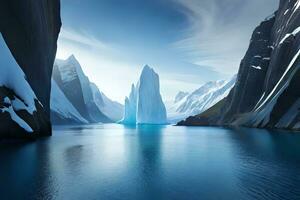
[266, 94]
[30, 30]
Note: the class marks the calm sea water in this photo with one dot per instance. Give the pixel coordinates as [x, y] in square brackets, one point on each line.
[152, 162]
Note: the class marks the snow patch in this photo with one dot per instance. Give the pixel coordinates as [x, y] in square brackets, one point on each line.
[15, 117]
[256, 67]
[13, 77]
[286, 11]
[294, 33]
[297, 5]
[267, 58]
[281, 79]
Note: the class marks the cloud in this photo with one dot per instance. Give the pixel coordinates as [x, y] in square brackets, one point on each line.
[219, 30]
[82, 39]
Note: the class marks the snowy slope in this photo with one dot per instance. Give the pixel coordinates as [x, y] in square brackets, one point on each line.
[180, 96]
[111, 109]
[76, 86]
[62, 109]
[13, 78]
[145, 105]
[70, 70]
[200, 100]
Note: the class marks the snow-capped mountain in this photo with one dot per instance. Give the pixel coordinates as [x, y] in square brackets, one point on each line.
[76, 87]
[145, 105]
[266, 94]
[206, 96]
[112, 109]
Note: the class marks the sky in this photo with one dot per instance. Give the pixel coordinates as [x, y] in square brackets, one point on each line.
[187, 42]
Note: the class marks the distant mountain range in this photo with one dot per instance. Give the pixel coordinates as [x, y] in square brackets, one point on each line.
[189, 104]
[74, 99]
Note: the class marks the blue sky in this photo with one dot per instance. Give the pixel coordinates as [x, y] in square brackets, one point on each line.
[188, 42]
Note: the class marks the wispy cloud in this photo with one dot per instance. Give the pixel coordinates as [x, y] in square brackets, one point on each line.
[83, 38]
[220, 30]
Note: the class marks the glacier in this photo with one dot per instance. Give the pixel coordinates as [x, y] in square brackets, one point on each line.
[144, 104]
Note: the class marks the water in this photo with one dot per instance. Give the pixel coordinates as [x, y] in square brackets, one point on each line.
[152, 162]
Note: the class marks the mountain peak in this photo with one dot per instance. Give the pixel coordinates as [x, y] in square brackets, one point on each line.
[147, 68]
[72, 57]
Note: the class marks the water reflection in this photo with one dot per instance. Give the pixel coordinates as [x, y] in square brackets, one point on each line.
[267, 161]
[144, 146]
[26, 171]
[152, 162]
[74, 158]
[149, 149]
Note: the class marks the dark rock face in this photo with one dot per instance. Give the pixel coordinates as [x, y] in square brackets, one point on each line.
[73, 91]
[250, 80]
[266, 94]
[30, 29]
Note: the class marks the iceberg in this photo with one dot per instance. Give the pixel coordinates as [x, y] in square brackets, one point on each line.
[144, 104]
[130, 107]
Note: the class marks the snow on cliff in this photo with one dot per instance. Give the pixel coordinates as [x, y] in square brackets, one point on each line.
[13, 78]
